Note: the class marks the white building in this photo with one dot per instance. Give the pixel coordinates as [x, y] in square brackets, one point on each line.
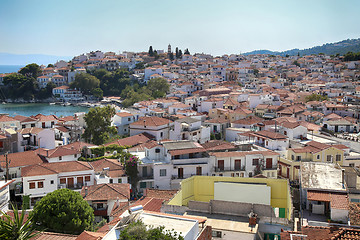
[190, 129]
[39, 180]
[156, 126]
[122, 121]
[244, 164]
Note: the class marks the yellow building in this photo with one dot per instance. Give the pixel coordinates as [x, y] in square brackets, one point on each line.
[312, 152]
[203, 189]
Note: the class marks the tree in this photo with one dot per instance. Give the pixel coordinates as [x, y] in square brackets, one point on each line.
[50, 65]
[98, 125]
[171, 56]
[187, 51]
[131, 170]
[85, 82]
[315, 97]
[20, 86]
[158, 87]
[296, 63]
[98, 93]
[180, 53]
[151, 51]
[17, 227]
[31, 70]
[63, 211]
[138, 231]
[177, 52]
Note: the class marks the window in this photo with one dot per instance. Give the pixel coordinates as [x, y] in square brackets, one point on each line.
[23, 126]
[351, 164]
[60, 158]
[250, 174]
[161, 134]
[87, 178]
[52, 182]
[32, 185]
[33, 125]
[338, 157]
[40, 184]
[298, 158]
[75, 155]
[119, 180]
[255, 162]
[318, 156]
[142, 184]
[129, 119]
[157, 150]
[162, 172]
[292, 157]
[62, 180]
[328, 158]
[111, 181]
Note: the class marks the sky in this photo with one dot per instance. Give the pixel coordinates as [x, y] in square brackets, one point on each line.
[73, 27]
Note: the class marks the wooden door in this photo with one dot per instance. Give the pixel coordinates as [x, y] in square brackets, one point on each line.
[180, 173]
[221, 165]
[238, 164]
[269, 163]
[80, 181]
[198, 171]
[70, 182]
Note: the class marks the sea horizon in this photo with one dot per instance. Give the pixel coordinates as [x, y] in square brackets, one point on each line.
[10, 68]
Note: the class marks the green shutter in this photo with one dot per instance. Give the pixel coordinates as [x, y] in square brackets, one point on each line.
[142, 184]
[282, 212]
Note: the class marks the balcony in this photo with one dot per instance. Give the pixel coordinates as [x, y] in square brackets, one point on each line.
[228, 169]
[100, 211]
[147, 177]
[72, 186]
[184, 176]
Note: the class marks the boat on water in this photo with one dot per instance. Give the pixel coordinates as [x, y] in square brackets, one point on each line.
[52, 103]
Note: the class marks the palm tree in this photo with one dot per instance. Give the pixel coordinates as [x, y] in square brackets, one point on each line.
[16, 228]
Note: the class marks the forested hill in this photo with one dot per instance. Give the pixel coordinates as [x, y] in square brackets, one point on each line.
[349, 45]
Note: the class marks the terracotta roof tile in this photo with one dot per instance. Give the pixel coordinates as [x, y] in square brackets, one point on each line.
[54, 236]
[151, 121]
[20, 159]
[107, 191]
[133, 140]
[55, 167]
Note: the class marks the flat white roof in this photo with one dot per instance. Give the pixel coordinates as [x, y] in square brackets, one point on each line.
[179, 225]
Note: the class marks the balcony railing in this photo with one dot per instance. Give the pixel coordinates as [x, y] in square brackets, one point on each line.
[228, 169]
[100, 211]
[72, 186]
[147, 177]
[184, 176]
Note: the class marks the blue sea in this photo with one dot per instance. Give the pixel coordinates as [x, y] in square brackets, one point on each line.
[10, 68]
[28, 109]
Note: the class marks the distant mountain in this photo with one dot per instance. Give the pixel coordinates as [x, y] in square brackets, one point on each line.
[349, 45]
[24, 59]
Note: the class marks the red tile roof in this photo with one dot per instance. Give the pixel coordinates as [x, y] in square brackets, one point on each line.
[20, 159]
[215, 145]
[151, 121]
[54, 168]
[86, 235]
[54, 236]
[107, 191]
[133, 140]
[268, 134]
